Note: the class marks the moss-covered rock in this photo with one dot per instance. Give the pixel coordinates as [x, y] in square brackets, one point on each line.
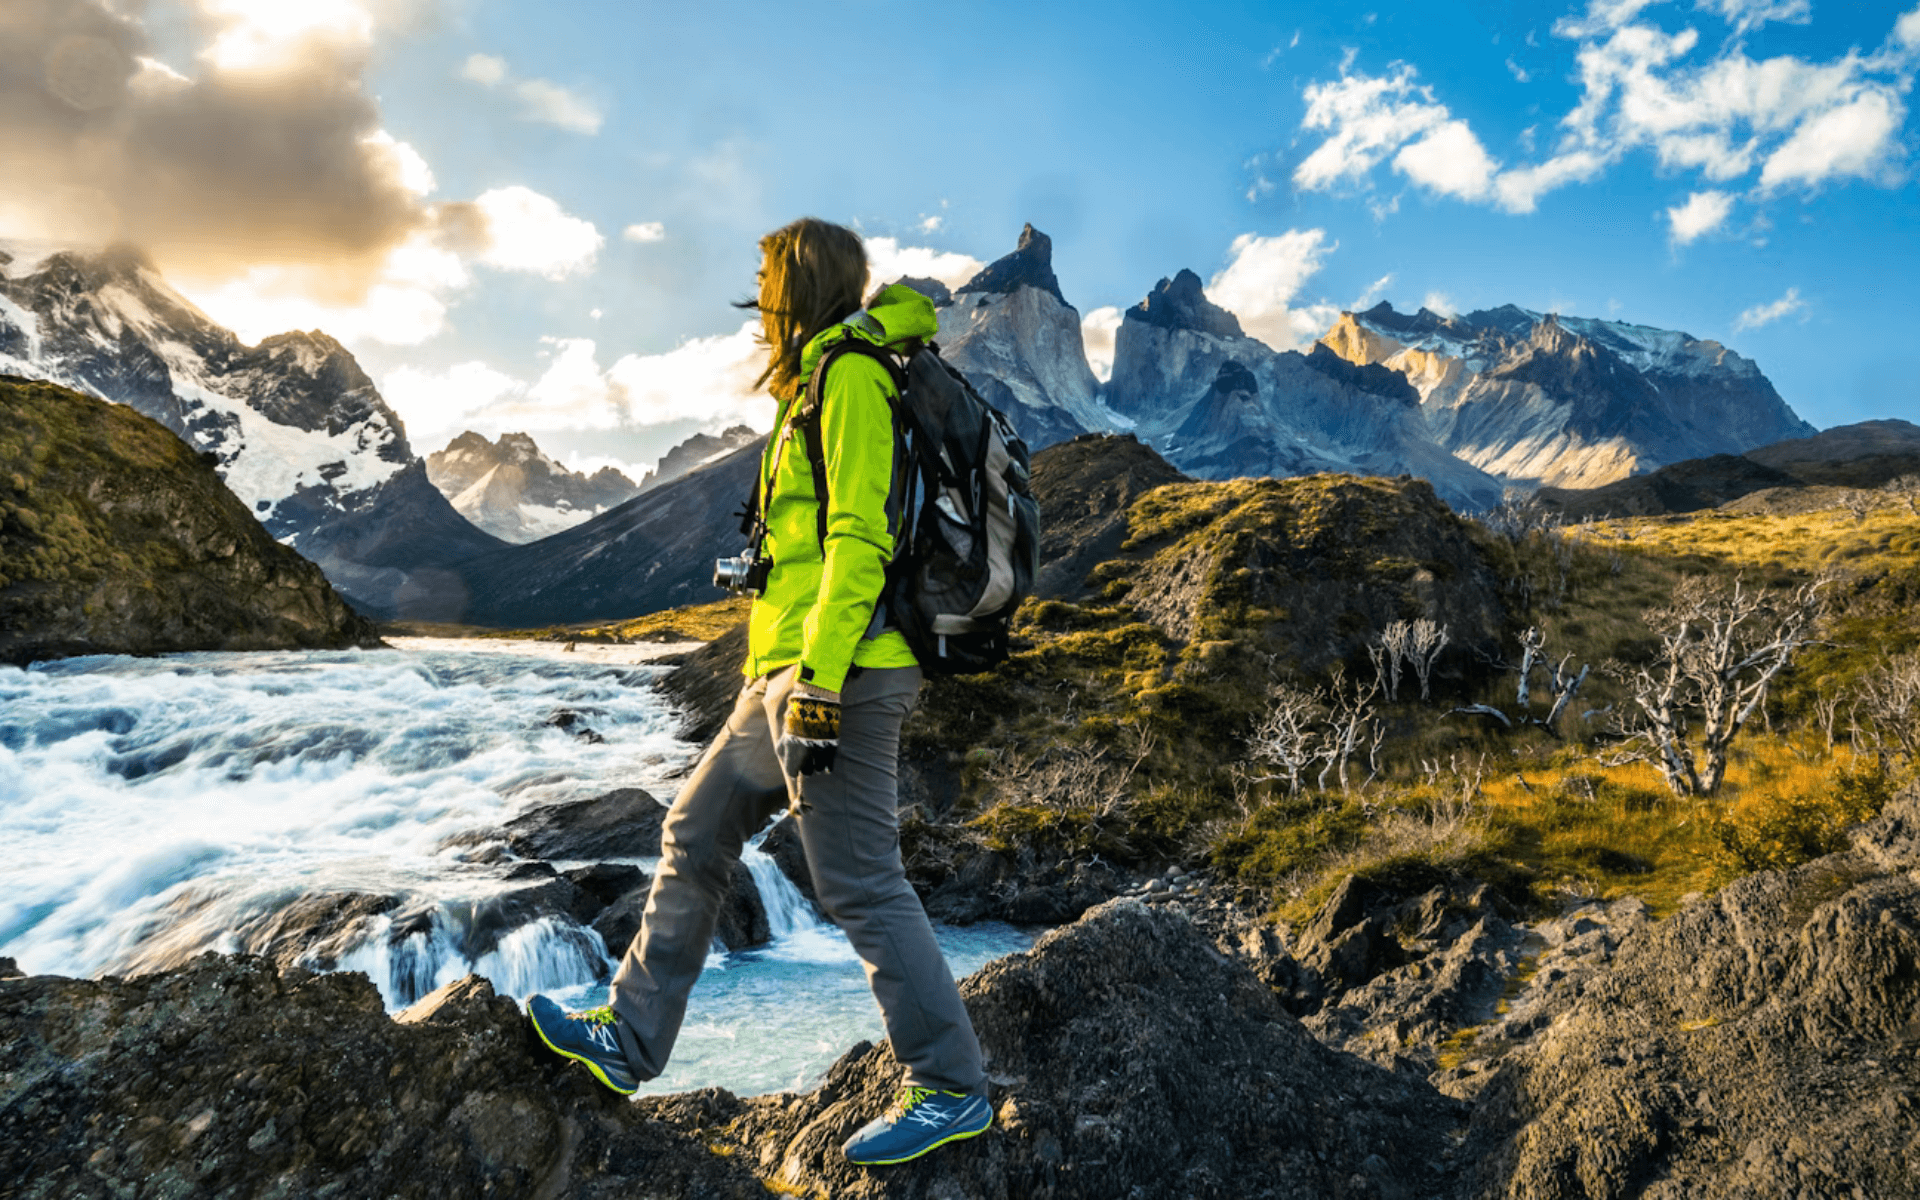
[116, 538]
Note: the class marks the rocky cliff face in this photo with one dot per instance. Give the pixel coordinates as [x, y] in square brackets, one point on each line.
[1756, 1043]
[1569, 401]
[516, 493]
[697, 451]
[1019, 342]
[116, 538]
[1220, 404]
[295, 428]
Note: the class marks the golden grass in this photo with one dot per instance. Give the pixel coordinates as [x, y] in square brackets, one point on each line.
[1805, 543]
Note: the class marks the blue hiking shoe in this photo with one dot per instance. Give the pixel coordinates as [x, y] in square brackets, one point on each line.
[587, 1037]
[920, 1120]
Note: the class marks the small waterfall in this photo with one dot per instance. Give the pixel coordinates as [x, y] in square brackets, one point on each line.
[788, 912]
[541, 956]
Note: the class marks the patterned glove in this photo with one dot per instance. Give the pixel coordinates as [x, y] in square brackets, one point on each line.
[811, 738]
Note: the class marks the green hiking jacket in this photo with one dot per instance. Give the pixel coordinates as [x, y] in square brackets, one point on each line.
[817, 606]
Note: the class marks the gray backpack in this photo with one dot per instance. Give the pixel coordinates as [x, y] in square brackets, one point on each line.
[967, 536]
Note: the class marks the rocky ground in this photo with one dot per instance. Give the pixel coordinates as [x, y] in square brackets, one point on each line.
[1762, 1041]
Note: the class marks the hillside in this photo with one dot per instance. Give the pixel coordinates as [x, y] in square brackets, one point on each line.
[119, 539]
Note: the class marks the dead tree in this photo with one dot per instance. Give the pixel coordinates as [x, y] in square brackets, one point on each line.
[1425, 640]
[1561, 686]
[1905, 488]
[1888, 698]
[1720, 647]
[1388, 650]
[1351, 727]
[1288, 737]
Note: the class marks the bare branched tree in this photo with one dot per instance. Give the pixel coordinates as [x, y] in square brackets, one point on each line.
[1721, 645]
[1351, 727]
[1888, 701]
[1906, 489]
[1288, 737]
[1425, 640]
[1561, 686]
[1390, 649]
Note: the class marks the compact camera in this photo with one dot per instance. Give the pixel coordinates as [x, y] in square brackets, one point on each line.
[745, 575]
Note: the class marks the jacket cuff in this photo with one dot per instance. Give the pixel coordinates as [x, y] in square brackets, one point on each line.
[827, 678]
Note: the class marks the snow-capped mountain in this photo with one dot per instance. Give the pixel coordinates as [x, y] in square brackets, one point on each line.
[1220, 404]
[1018, 340]
[1569, 401]
[293, 425]
[515, 492]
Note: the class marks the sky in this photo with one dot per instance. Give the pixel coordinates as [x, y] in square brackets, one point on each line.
[533, 216]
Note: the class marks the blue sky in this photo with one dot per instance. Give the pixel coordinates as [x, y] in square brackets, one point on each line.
[1738, 169]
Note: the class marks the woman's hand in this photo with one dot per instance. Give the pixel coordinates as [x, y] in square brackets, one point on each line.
[810, 738]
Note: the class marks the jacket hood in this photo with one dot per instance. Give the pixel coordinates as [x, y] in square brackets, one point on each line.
[896, 313]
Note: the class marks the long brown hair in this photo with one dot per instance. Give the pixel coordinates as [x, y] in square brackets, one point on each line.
[812, 274]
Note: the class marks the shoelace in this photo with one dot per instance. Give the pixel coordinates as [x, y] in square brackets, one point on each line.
[594, 1016]
[909, 1099]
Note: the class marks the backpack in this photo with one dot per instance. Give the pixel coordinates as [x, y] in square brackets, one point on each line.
[967, 543]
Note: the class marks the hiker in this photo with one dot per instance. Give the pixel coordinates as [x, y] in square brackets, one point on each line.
[816, 729]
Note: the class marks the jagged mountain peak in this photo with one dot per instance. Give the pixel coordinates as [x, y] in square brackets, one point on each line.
[932, 289]
[1030, 265]
[1181, 303]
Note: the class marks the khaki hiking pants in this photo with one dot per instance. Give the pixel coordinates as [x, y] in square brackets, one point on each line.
[849, 826]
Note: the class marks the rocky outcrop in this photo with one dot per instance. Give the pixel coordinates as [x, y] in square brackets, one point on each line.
[231, 1078]
[1568, 401]
[116, 538]
[293, 425]
[1084, 488]
[1221, 405]
[1760, 1042]
[1019, 343]
[694, 453]
[623, 823]
[1127, 1058]
[1029, 266]
[516, 493]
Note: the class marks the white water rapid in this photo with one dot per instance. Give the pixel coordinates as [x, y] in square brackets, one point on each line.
[153, 809]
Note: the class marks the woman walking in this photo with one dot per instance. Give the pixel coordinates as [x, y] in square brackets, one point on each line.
[817, 727]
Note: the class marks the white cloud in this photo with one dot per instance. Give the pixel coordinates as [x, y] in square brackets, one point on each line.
[888, 260]
[1767, 314]
[648, 231]
[932, 224]
[1750, 14]
[541, 100]
[1261, 279]
[1906, 30]
[1375, 290]
[548, 102]
[1519, 72]
[1520, 189]
[1369, 117]
[706, 380]
[404, 305]
[1450, 161]
[1098, 329]
[1852, 140]
[1441, 303]
[485, 70]
[1719, 113]
[526, 231]
[1703, 213]
[433, 403]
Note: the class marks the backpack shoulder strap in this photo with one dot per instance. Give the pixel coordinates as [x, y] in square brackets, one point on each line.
[808, 416]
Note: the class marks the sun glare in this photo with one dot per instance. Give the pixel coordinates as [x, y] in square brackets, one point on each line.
[267, 34]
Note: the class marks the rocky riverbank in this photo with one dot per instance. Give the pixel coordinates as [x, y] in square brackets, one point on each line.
[1762, 1041]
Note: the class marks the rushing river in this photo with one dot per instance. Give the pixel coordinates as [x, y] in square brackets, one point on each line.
[153, 809]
